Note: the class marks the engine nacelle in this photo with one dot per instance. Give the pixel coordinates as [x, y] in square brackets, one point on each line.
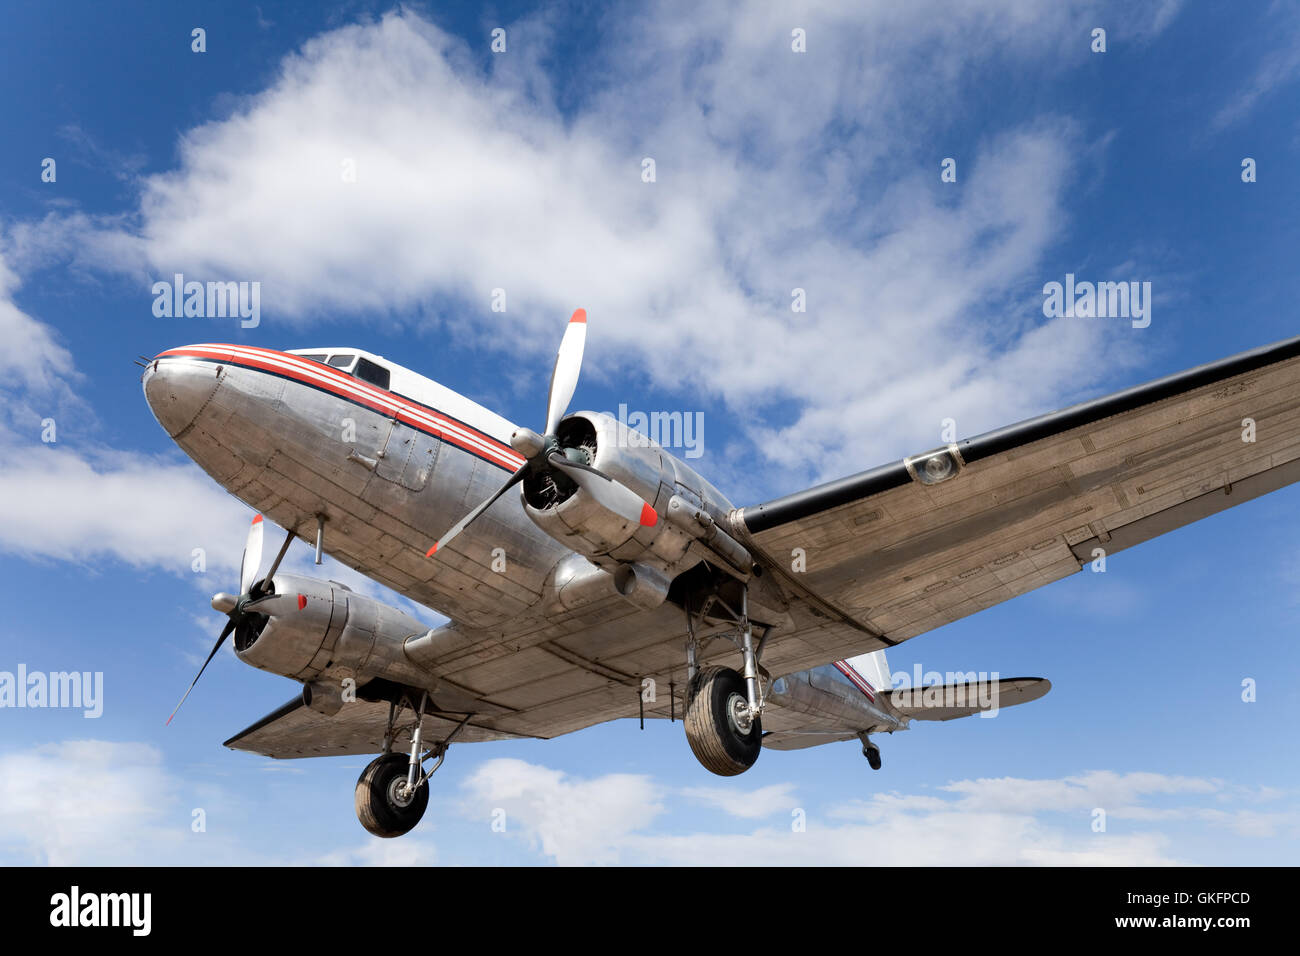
[659, 552]
[321, 631]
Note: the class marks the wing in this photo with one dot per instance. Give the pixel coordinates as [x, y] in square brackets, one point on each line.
[296, 730]
[900, 550]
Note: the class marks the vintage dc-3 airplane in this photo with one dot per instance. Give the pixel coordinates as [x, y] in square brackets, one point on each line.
[619, 581]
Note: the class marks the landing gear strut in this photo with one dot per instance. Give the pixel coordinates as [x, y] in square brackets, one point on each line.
[392, 792]
[724, 708]
[870, 751]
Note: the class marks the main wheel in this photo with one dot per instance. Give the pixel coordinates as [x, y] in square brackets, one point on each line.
[382, 806]
[873, 756]
[722, 735]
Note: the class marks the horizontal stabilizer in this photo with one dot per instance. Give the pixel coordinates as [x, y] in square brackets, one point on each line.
[949, 701]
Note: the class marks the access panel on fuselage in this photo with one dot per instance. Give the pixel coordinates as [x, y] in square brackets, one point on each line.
[409, 457]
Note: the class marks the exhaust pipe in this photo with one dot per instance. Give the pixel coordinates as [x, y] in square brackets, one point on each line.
[641, 584]
[323, 697]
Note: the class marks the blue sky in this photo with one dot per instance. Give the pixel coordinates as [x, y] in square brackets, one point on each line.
[774, 171]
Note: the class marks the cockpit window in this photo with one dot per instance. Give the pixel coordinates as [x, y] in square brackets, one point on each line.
[368, 371]
[343, 360]
[314, 356]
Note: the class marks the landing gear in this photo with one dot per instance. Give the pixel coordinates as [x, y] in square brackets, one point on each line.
[723, 734]
[386, 806]
[871, 752]
[393, 791]
[724, 707]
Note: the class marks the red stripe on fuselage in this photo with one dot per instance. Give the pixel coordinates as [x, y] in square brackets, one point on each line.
[860, 682]
[331, 380]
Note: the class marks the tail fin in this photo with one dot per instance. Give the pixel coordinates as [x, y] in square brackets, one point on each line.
[874, 668]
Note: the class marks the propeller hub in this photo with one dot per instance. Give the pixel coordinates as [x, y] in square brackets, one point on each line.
[528, 443]
[223, 602]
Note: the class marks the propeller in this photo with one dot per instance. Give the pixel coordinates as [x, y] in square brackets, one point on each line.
[237, 609]
[543, 454]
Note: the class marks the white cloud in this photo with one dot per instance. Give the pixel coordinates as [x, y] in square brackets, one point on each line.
[573, 821]
[776, 170]
[747, 805]
[1273, 68]
[1098, 788]
[411, 850]
[127, 808]
[973, 822]
[102, 803]
[143, 510]
[105, 803]
[32, 357]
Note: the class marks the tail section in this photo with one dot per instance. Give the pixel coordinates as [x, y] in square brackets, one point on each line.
[874, 669]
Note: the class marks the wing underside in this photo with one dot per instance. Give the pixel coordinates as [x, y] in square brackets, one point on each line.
[894, 556]
[295, 730]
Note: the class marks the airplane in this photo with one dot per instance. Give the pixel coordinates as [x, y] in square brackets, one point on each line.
[619, 582]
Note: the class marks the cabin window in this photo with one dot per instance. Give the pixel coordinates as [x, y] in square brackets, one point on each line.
[368, 371]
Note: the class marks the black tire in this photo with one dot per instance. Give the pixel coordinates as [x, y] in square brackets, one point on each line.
[873, 756]
[376, 807]
[715, 739]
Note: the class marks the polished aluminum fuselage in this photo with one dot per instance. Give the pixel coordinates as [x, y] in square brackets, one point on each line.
[389, 472]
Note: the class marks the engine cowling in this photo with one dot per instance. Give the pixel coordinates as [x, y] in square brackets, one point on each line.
[314, 630]
[561, 509]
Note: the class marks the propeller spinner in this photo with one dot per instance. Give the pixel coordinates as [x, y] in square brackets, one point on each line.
[543, 454]
[250, 589]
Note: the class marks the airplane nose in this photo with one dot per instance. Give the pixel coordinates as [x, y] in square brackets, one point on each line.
[178, 389]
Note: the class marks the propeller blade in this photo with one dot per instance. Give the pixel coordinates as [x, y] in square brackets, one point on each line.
[564, 377]
[275, 565]
[225, 633]
[612, 495]
[252, 555]
[466, 521]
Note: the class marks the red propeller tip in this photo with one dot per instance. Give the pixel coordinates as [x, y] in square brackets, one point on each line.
[579, 316]
[429, 553]
[256, 518]
[648, 516]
